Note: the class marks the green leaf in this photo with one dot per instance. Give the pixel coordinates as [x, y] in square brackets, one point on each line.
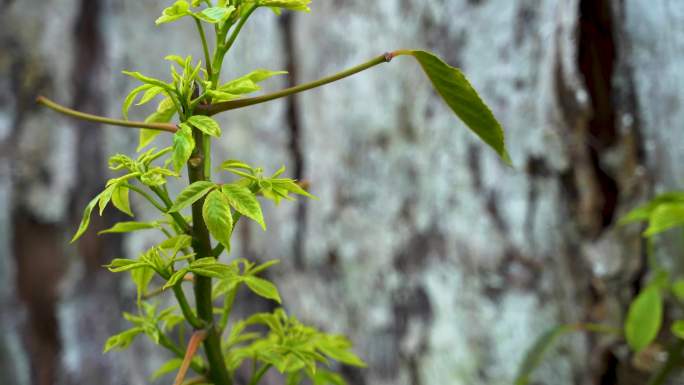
[176, 277]
[244, 202]
[191, 194]
[146, 79]
[325, 377]
[149, 95]
[294, 5]
[216, 214]
[119, 162]
[644, 318]
[176, 243]
[141, 278]
[339, 349]
[248, 83]
[534, 356]
[206, 124]
[156, 176]
[131, 98]
[122, 340]
[232, 163]
[220, 96]
[175, 59]
[183, 145]
[165, 111]
[86, 219]
[127, 227]
[678, 289]
[642, 213]
[176, 11]
[241, 87]
[105, 197]
[168, 367]
[262, 288]
[462, 98]
[209, 267]
[261, 74]
[215, 14]
[665, 217]
[678, 328]
[292, 186]
[120, 199]
[258, 269]
[118, 265]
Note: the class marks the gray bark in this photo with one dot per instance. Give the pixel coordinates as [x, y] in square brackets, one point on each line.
[440, 263]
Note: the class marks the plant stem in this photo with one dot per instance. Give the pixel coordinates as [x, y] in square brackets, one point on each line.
[205, 47]
[193, 345]
[256, 377]
[674, 357]
[189, 315]
[216, 251]
[227, 307]
[146, 196]
[213, 109]
[238, 28]
[202, 285]
[101, 119]
[168, 344]
[175, 215]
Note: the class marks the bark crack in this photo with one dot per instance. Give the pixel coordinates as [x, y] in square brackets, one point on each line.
[294, 122]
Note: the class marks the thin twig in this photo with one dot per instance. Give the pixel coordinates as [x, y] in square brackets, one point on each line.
[212, 109]
[193, 345]
[168, 127]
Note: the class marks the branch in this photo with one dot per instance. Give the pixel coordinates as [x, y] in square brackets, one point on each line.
[205, 48]
[213, 109]
[193, 345]
[168, 127]
[238, 28]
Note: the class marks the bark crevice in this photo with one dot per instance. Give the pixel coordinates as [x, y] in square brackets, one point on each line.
[294, 122]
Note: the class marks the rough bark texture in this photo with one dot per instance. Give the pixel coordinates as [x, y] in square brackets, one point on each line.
[440, 263]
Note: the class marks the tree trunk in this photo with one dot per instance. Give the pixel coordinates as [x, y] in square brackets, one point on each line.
[439, 262]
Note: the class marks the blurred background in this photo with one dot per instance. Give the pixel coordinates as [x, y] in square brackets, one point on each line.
[441, 264]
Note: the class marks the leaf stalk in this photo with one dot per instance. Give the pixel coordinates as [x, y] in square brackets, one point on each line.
[104, 120]
[213, 109]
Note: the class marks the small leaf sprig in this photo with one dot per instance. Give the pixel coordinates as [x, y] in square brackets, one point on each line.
[199, 222]
[644, 320]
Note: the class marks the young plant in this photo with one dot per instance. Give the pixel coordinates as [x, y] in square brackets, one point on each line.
[194, 243]
[645, 318]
